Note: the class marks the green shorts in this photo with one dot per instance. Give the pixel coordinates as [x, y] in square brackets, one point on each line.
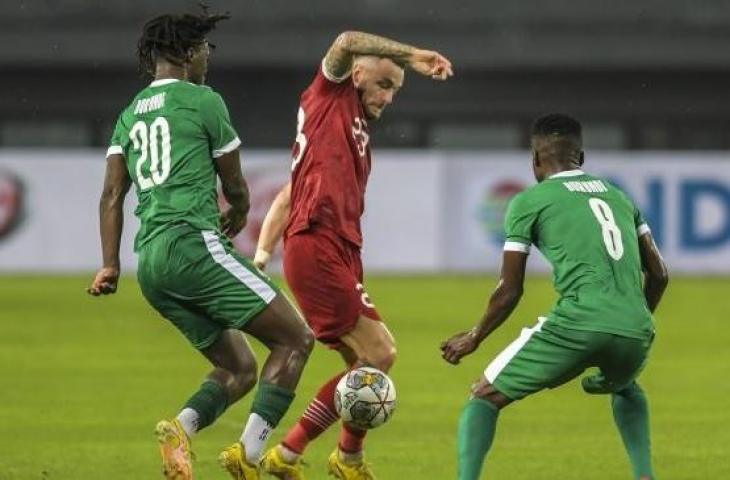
[548, 355]
[201, 284]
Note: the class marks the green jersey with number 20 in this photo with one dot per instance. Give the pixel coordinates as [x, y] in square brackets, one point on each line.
[169, 136]
[588, 230]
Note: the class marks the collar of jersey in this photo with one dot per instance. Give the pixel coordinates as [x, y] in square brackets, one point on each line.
[163, 81]
[568, 173]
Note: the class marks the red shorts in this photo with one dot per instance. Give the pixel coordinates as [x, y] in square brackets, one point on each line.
[324, 272]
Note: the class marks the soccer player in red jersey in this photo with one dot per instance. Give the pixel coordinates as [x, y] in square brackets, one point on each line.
[318, 213]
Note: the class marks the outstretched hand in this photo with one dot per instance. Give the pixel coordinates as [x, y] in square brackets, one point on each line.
[459, 346]
[105, 282]
[431, 64]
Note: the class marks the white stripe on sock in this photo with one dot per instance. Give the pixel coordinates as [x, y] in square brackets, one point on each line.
[322, 409]
[317, 418]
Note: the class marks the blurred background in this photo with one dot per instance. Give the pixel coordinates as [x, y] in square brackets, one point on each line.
[84, 379]
[644, 75]
[649, 80]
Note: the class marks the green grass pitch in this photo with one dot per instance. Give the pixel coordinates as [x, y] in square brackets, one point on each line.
[85, 379]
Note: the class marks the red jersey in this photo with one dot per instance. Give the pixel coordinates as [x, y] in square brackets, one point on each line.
[331, 159]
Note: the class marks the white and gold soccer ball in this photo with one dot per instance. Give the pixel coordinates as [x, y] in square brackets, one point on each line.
[365, 398]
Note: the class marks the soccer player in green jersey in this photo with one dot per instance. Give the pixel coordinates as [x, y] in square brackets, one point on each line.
[609, 276]
[173, 141]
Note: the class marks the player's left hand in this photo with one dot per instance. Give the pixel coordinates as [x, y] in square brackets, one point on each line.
[459, 346]
[431, 64]
[105, 282]
[233, 221]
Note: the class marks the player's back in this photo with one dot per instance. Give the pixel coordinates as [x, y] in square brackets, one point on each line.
[588, 230]
[169, 135]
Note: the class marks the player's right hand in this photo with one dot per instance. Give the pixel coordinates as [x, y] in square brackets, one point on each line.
[431, 64]
[459, 346]
[105, 282]
[233, 221]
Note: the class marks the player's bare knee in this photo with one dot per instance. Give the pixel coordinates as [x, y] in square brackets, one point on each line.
[382, 358]
[484, 390]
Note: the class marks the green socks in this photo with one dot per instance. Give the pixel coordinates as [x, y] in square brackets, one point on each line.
[631, 414]
[272, 402]
[210, 402]
[477, 425]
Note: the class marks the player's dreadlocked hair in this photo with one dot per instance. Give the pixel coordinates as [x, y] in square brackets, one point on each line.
[172, 36]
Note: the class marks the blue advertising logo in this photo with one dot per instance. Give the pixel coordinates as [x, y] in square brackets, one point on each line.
[692, 193]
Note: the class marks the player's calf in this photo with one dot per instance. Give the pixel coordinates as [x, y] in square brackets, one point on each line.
[477, 425]
[290, 342]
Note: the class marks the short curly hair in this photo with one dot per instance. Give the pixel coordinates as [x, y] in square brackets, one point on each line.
[557, 124]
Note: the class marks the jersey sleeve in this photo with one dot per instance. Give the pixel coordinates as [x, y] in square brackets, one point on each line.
[642, 228]
[217, 124]
[119, 139]
[518, 224]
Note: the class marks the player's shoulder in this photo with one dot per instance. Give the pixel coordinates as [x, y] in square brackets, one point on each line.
[526, 199]
[191, 91]
[535, 192]
[200, 98]
[209, 97]
[617, 190]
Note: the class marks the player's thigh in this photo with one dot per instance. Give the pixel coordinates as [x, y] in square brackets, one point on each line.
[280, 324]
[203, 272]
[372, 342]
[321, 276]
[620, 363]
[223, 284]
[544, 356]
[200, 331]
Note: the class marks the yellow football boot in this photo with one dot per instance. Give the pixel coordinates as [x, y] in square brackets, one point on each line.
[274, 464]
[233, 460]
[177, 461]
[345, 471]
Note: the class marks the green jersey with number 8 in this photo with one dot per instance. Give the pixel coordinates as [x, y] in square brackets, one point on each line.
[169, 136]
[588, 230]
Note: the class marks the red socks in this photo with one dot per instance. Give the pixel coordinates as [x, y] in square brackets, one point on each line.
[318, 417]
[351, 439]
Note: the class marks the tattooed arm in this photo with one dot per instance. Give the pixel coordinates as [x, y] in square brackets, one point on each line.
[338, 61]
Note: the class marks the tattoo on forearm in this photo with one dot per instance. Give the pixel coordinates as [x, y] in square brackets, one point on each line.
[367, 44]
[339, 60]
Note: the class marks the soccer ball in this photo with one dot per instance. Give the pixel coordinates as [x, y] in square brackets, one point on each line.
[365, 398]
